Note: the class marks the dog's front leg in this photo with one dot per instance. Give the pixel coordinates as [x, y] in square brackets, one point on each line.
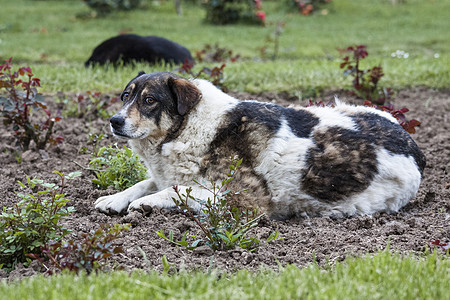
[164, 199]
[118, 203]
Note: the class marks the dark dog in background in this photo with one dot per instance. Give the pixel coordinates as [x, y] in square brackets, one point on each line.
[131, 47]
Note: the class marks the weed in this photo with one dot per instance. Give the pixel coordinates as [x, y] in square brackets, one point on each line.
[94, 140]
[90, 105]
[33, 221]
[365, 82]
[225, 227]
[85, 255]
[120, 168]
[274, 39]
[17, 108]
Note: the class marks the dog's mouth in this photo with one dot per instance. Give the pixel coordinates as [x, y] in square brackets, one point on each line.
[124, 136]
[120, 135]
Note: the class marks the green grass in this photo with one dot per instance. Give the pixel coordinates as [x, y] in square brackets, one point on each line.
[382, 276]
[48, 36]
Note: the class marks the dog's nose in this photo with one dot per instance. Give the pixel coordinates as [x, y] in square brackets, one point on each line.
[117, 122]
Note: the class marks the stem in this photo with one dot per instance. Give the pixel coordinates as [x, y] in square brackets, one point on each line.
[41, 144]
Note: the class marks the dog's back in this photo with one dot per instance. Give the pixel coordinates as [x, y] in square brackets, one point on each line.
[130, 47]
[336, 161]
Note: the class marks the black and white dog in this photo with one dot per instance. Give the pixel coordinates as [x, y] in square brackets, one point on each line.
[315, 161]
[131, 47]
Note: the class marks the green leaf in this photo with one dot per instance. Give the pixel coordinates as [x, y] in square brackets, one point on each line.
[166, 265]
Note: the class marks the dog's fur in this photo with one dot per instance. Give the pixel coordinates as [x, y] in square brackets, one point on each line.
[315, 161]
[128, 48]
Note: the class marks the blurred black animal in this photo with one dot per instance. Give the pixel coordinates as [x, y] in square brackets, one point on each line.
[128, 48]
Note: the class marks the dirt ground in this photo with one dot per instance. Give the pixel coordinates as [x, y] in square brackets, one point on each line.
[425, 218]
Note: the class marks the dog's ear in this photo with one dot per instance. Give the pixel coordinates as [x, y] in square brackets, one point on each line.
[187, 94]
[140, 73]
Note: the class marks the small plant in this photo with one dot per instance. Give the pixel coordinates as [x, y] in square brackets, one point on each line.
[222, 12]
[19, 105]
[85, 255]
[365, 82]
[94, 140]
[105, 7]
[224, 226]
[215, 75]
[120, 168]
[33, 221]
[399, 114]
[93, 104]
[215, 54]
[273, 39]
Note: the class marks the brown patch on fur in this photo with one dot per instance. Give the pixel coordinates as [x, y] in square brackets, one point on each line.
[251, 188]
[187, 94]
[342, 163]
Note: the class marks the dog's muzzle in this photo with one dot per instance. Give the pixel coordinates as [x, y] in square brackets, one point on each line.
[117, 124]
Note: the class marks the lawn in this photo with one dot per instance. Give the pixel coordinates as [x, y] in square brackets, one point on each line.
[49, 37]
[383, 276]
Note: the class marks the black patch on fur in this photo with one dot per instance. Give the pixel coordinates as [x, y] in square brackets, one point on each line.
[130, 47]
[342, 163]
[246, 126]
[301, 122]
[391, 136]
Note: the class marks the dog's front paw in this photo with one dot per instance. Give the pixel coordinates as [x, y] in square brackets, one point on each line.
[146, 204]
[112, 205]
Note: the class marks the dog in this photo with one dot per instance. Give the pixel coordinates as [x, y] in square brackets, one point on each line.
[309, 161]
[128, 48]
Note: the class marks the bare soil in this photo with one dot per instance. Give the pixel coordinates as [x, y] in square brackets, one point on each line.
[424, 219]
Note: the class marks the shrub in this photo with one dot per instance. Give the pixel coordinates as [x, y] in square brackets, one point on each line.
[19, 105]
[222, 12]
[224, 227]
[104, 7]
[33, 221]
[120, 168]
[86, 255]
[365, 82]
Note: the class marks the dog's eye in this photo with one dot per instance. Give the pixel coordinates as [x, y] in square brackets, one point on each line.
[150, 100]
[125, 96]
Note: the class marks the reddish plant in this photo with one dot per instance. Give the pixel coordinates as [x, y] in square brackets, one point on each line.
[95, 246]
[215, 75]
[215, 54]
[365, 82]
[19, 104]
[443, 245]
[92, 104]
[399, 114]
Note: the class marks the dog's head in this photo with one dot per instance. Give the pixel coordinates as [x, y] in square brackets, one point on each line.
[154, 105]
